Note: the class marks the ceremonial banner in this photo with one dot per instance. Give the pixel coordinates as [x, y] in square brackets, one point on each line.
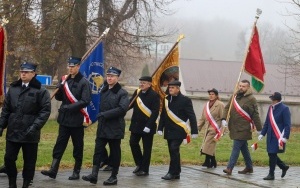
[92, 69]
[2, 63]
[167, 71]
[254, 64]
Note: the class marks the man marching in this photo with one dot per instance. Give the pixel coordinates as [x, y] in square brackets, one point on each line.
[277, 126]
[145, 103]
[75, 95]
[176, 111]
[244, 118]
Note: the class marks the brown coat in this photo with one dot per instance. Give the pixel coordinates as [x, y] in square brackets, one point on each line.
[239, 128]
[209, 145]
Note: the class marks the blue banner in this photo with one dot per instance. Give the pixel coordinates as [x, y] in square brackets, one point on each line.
[92, 69]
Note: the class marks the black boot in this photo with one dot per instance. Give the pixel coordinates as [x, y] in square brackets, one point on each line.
[213, 162]
[206, 162]
[92, 178]
[209, 164]
[12, 182]
[26, 183]
[53, 170]
[3, 169]
[75, 175]
[112, 180]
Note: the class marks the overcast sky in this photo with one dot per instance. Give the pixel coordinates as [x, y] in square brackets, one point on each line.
[240, 11]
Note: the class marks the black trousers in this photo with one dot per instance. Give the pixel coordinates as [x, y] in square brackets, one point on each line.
[174, 151]
[114, 156]
[273, 161]
[141, 159]
[29, 156]
[64, 134]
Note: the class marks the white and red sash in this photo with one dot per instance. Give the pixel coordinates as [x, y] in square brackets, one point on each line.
[243, 113]
[275, 128]
[178, 122]
[212, 122]
[87, 121]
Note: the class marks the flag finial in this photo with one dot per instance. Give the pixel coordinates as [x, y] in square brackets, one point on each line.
[180, 37]
[258, 13]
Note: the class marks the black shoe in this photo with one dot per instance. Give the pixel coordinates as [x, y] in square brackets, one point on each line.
[169, 176]
[102, 164]
[269, 177]
[92, 178]
[3, 169]
[75, 175]
[112, 180]
[53, 169]
[141, 173]
[108, 168]
[26, 183]
[136, 169]
[284, 171]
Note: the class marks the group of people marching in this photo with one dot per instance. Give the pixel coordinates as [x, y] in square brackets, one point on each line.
[27, 107]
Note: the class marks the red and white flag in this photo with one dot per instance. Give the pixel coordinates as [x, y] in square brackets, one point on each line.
[254, 146]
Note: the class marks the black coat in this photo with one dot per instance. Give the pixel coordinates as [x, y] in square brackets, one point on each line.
[113, 108]
[139, 120]
[22, 109]
[182, 107]
[80, 88]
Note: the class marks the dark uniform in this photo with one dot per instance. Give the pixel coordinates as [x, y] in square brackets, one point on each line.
[182, 107]
[111, 128]
[71, 120]
[25, 111]
[139, 122]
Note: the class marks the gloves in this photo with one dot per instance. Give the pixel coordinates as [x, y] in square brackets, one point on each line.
[1, 132]
[194, 135]
[64, 108]
[31, 131]
[284, 140]
[60, 86]
[146, 130]
[224, 123]
[159, 133]
[260, 137]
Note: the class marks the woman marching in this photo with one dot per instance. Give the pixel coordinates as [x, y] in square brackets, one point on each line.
[211, 120]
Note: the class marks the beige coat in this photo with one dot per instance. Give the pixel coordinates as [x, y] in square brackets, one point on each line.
[209, 145]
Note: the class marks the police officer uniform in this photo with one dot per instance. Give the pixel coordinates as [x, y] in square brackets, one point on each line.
[25, 111]
[70, 119]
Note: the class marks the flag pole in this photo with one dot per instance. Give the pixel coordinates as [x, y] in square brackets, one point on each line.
[258, 13]
[170, 51]
[87, 53]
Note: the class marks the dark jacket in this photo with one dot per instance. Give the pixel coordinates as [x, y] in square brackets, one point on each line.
[182, 107]
[140, 120]
[80, 88]
[113, 108]
[282, 117]
[25, 108]
[238, 126]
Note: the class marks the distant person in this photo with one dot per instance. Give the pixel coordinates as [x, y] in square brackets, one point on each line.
[26, 109]
[243, 118]
[211, 121]
[176, 111]
[145, 103]
[277, 127]
[75, 95]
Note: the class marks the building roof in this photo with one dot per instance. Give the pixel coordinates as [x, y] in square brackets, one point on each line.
[201, 75]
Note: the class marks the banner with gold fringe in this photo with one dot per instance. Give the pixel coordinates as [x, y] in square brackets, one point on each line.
[167, 71]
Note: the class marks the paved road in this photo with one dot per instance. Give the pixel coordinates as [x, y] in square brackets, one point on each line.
[191, 176]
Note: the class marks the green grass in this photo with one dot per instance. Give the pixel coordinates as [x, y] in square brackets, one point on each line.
[189, 153]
